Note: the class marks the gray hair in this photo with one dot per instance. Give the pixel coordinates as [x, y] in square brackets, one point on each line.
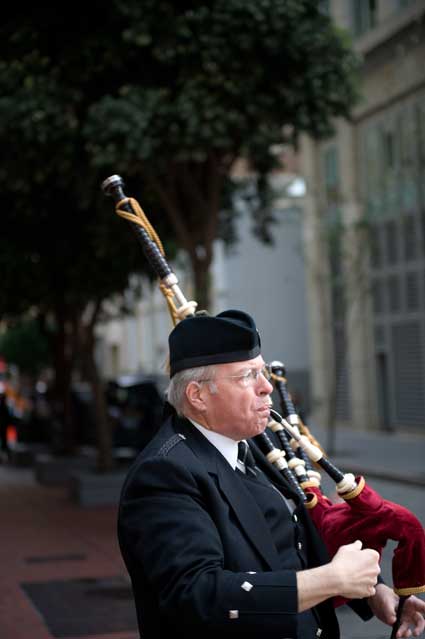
[176, 391]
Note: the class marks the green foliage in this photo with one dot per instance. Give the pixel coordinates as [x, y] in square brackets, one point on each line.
[168, 94]
[217, 81]
[226, 75]
[24, 345]
[61, 246]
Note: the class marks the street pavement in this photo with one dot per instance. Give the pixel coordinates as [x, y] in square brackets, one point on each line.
[62, 574]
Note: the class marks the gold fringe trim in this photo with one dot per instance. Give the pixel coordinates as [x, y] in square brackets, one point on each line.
[405, 592]
[308, 484]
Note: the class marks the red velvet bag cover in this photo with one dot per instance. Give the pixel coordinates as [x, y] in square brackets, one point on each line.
[365, 515]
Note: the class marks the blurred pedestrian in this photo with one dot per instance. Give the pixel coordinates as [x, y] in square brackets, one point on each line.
[5, 420]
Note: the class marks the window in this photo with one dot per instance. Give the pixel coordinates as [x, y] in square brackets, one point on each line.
[393, 293]
[391, 237]
[389, 168]
[409, 238]
[338, 301]
[389, 150]
[330, 172]
[375, 247]
[412, 291]
[423, 231]
[373, 164]
[420, 117]
[379, 334]
[365, 15]
[377, 294]
[408, 135]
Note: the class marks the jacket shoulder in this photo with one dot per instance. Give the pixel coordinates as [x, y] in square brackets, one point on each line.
[169, 444]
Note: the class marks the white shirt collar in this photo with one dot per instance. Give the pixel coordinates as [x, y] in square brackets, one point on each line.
[226, 446]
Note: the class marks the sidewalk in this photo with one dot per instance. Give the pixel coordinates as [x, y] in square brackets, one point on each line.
[61, 571]
[381, 455]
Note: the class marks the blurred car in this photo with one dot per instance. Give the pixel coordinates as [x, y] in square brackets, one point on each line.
[135, 406]
[134, 403]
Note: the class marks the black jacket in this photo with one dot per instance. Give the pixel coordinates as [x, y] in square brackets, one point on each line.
[191, 535]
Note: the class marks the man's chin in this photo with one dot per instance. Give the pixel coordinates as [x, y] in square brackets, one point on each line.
[262, 425]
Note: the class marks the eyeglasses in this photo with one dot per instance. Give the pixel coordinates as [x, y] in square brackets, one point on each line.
[248, 378]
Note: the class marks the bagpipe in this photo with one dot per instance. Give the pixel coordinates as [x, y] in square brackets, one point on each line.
[361, 512]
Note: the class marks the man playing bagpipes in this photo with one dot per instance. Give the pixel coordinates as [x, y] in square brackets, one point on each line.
[211, 545]
[361, 513]
[215, 539]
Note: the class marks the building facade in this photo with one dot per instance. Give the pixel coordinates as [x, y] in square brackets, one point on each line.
[340, 296]
[365, 212]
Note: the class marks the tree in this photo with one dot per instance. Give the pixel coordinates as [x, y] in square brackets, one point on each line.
[215, 82]
[169, 95]
[62, 263]
[61, 255]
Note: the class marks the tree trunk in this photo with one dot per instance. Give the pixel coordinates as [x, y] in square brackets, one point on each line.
[103, 431]
[63, 438]
[191, 197]
[105, 460]
[202, 282]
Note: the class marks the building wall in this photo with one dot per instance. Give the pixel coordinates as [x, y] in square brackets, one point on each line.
[269, 283]
[366, 186]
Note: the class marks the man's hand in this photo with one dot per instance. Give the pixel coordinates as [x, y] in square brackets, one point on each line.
[384, 606]
[352, 574]
[357, 570]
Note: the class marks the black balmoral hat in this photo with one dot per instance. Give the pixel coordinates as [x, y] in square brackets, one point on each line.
[203, 340]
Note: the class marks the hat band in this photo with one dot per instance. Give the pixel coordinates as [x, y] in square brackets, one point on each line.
[215, 358]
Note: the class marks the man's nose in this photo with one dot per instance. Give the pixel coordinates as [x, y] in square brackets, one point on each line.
[264, 386]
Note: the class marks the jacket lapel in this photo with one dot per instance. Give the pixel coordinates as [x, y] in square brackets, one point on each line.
[235, 492]
[273, 474]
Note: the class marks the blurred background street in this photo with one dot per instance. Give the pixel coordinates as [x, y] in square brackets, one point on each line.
[62, 574]
[278, 150]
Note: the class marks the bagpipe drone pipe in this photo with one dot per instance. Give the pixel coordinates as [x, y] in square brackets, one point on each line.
[178, 305]
[363, 514]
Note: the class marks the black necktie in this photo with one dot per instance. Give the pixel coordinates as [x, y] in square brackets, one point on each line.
[245, 458]
[246, 464]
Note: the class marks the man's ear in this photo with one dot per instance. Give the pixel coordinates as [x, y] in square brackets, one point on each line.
[195, 396]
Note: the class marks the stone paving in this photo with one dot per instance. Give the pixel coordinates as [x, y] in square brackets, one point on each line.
[47, 540]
